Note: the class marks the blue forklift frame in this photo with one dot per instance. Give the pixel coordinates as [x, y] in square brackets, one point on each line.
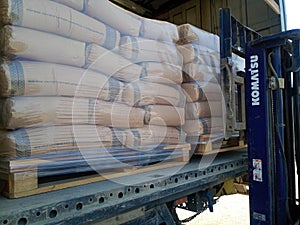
[272, 112]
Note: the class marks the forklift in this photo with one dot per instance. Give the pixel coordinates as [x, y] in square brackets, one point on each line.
[272, 102]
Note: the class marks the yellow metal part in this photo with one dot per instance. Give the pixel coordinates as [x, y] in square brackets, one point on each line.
[228, 188]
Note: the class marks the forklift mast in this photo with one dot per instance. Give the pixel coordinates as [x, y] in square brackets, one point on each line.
[272, 88]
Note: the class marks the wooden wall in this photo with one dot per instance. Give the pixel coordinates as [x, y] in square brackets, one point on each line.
[205, 14]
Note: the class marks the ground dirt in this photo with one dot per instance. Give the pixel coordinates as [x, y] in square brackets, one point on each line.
[229, 210]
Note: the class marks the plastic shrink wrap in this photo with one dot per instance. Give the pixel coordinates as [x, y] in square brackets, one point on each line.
[88, 86]
[30, 78]
[201, 84]
[51, 17]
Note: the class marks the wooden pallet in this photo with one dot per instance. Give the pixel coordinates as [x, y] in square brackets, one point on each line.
[218, 146]
[22, 176]
[241, 184]
[242, 188]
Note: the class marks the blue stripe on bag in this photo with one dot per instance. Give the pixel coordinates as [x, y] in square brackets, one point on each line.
[137, 96]
[88, 47]
[137, 137]
[23, 148]
[85, 3]
[16, 78]
[16, 13]
[114, 89]
[196, 57]
[111, 38]
[144, 72]
[135, 48]
[91, 109]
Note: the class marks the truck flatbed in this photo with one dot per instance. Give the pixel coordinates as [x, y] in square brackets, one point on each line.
[137, 193]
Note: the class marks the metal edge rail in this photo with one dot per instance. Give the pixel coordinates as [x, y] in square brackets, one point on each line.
[97, 201]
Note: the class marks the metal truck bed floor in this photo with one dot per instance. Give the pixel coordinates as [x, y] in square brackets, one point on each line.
[109, 198]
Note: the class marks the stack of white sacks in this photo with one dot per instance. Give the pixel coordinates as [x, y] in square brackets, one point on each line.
[201, 59]
[86, 74]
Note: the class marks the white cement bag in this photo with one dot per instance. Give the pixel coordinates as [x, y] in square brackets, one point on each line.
[193, 127]
[18, 112]
[201, 72]
[191, 34]
[162, 73]
[54, 139]
[78, 5]
[140, 49]
[31, 44]
[159, 30]
[49, 16]
[199, 54]
[192, 92]
[195, 110]
[203, 126]
[141, 93]
[114, 16]
[153, 135]
[112, 64]
[202, 91]
[47, 79]
[165, 115]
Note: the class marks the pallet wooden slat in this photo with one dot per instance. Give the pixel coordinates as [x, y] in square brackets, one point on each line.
[218, 147]
[22, 176]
